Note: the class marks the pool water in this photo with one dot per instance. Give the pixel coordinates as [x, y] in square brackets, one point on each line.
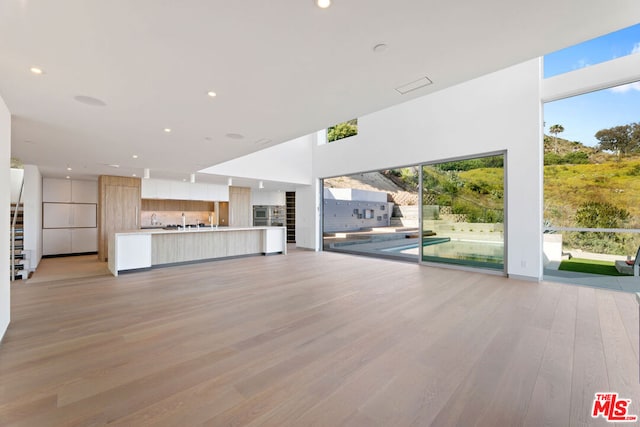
[458, 251]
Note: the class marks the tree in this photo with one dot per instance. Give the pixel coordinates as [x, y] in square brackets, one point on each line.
[555, 130]
[620, 139]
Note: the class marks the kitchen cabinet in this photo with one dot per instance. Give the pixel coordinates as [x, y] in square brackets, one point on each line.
[198, 191]
[84, 240]
[269, 198]
[56, 241]
[69, 216]
[133, 251]
[69, 191]
[64, 241]
[178, 190]
[84, 191]
[119, 208]
[56, 190]
[218, 192]
[66, 215]
[240, 211]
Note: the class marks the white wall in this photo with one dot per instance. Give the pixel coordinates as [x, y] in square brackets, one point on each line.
[496, 112]
[287, 162]
[16, 181]
[5, 179]
[355, 194]
[308, 216]
[32, 199]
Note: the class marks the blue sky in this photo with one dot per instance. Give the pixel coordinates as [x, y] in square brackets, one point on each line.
[582, 116]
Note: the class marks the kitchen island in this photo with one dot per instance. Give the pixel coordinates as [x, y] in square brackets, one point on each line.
[141, 249]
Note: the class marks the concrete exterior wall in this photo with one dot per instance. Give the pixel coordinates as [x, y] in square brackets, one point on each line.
[352, 215]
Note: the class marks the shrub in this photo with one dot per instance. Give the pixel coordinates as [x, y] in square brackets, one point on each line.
[600, 215]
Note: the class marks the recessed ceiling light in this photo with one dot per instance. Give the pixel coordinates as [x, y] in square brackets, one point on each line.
[167, 130]
[323, 4]
[114, 166]
[262, 141]
[134, 175]
[212, 94]
[89, 100]
[68, 168]
[36, 70]
[135, 156]
[234, 136]
[68, 177]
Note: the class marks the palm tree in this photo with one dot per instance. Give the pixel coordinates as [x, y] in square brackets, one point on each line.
[555, 130]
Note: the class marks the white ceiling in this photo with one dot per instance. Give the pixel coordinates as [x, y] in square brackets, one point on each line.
[281, 69]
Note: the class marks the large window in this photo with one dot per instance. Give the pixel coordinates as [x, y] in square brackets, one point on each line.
[342, 130]
[374, 214]
[592, 181]
[602, 49]
[592, 168]
[463, 212]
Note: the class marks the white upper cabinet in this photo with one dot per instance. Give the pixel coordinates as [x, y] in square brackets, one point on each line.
[261, 197]
[150, 189]
[198, 191]
[218, 192]
[69, 191]
[178, 190]
[84, 191]
[56, 190]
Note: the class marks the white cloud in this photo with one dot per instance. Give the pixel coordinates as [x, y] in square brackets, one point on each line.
[626, 88]
[636, 48]
[581, 64]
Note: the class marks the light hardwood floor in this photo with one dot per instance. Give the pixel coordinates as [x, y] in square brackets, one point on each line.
[313, 339]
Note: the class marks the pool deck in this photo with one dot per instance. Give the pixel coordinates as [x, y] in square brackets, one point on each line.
[616, 283]
[360, 243]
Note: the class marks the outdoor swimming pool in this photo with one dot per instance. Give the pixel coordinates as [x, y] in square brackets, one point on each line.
[480, 253]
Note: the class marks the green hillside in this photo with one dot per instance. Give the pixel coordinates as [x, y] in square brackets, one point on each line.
[568, 187]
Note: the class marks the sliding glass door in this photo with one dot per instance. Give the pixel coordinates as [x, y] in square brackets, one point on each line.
[463, 212]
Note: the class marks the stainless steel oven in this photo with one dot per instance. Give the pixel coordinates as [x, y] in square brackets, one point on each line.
[268, 215]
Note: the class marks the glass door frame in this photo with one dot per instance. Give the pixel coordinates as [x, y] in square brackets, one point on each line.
[421, 261]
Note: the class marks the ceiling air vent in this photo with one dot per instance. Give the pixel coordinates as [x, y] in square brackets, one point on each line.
[409, 87]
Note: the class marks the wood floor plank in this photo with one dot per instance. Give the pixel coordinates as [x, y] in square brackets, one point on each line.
[311, 339]
[589, 366]
[618, 351]
[552, 391]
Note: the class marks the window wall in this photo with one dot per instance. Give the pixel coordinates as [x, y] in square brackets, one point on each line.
[592, 160]
[463, 212]
[457, 219]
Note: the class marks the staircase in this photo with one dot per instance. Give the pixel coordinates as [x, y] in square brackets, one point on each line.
[16, 254]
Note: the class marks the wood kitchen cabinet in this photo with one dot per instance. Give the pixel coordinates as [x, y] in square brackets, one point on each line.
[240, 213]
[118, 208]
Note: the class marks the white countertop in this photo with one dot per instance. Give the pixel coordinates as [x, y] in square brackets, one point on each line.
[192, 230]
